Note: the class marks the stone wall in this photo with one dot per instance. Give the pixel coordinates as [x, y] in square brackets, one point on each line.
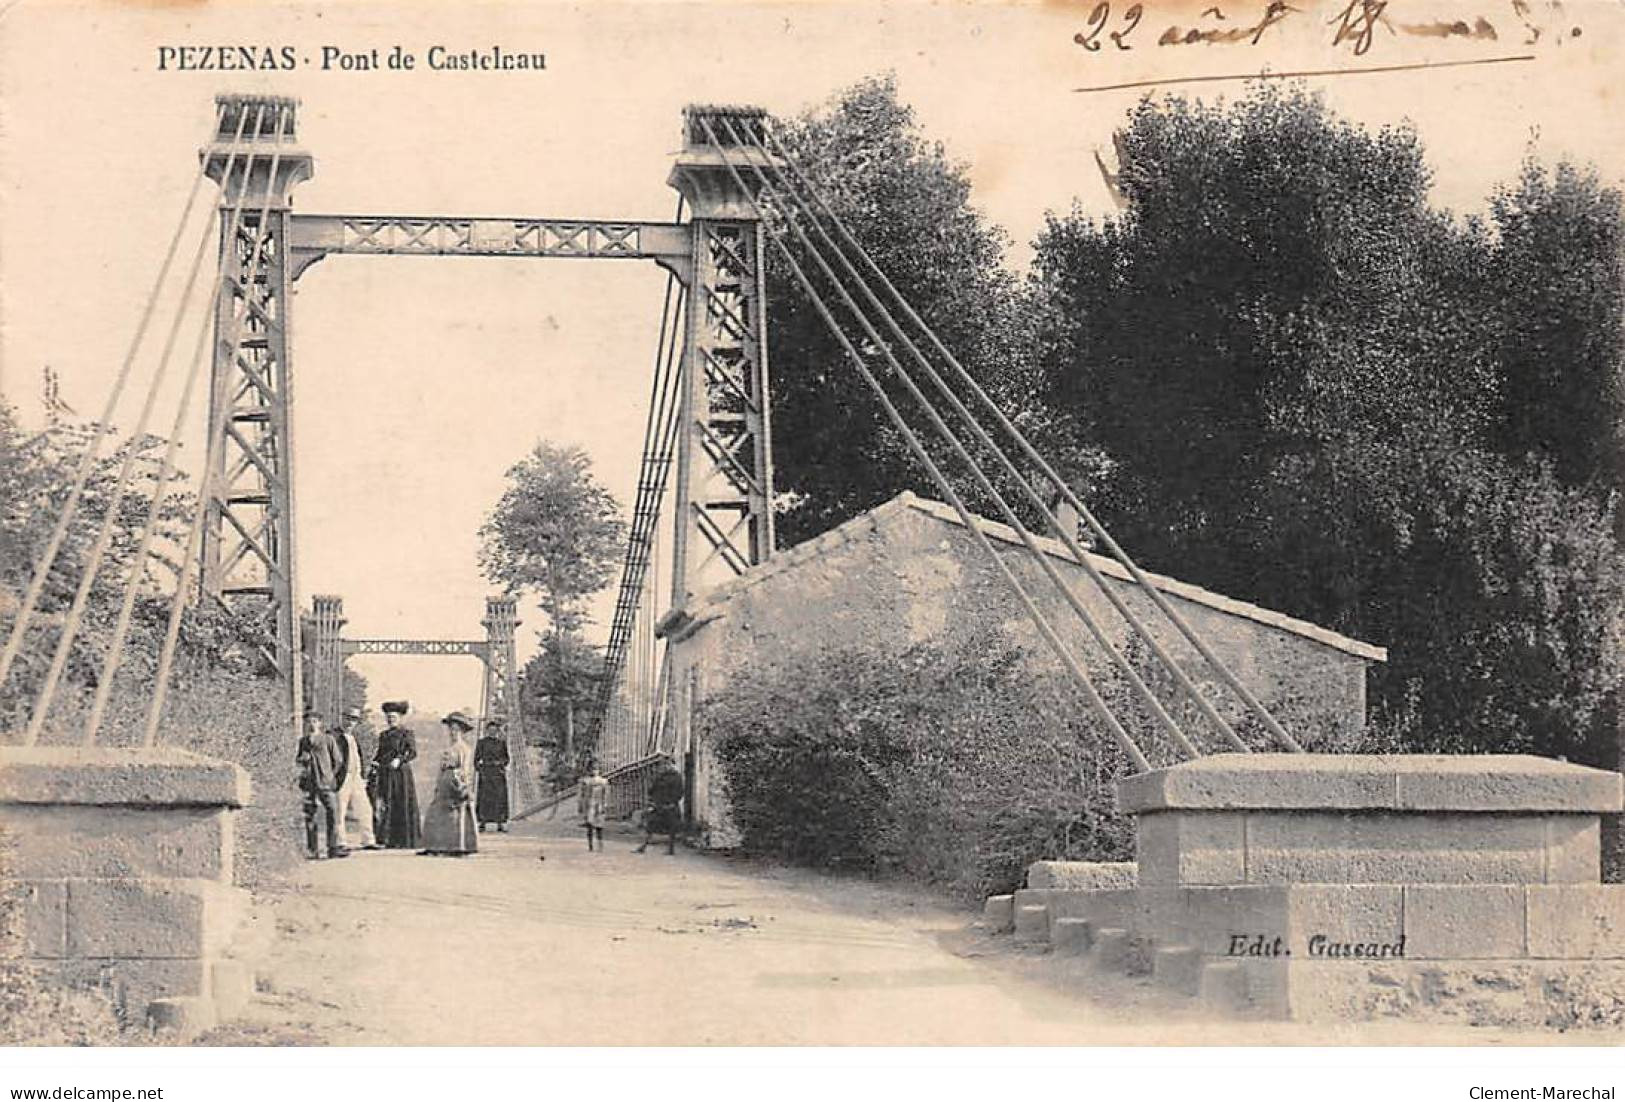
[124, 863]
[1356, 886]
[909, 572]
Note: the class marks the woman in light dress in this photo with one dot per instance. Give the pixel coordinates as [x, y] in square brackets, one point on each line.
[448, 822]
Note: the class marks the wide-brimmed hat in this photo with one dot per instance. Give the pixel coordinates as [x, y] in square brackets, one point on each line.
[396, 707]
[458, 719]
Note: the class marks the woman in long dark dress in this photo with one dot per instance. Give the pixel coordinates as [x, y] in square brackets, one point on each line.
[397, 805]
[491, 766]
[448, 821]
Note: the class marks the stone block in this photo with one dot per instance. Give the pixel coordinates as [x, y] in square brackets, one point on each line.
[1268, 920]
[1211, 919]
[1576, 922]
[1573, 849]
[76, 841]
[1504, 782]
[999, 913]
[1181, 848]
[1071, 935]
[134, 984]
[1111, 949]
[1343, 921]
[1081, 875]
[1178, 968]
[1032, 924]
[152, 918]
[1389, 848]
[1464, 922]
[118, 776]
[1222, 987]
[1411, 782]
[44, 908]
[1233, 782]
[183, 1017]
[1106, 907]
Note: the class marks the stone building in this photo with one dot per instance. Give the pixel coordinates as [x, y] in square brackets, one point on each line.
[909, 572]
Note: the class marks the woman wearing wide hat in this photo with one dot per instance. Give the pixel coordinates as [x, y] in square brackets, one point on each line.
[397, 796]
[448, 821]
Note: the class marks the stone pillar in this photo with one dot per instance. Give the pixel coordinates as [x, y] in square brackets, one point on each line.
[1342, 882]
[1355, 886]
[124, 859]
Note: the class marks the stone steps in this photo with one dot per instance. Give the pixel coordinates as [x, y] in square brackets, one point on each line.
[1219, 987]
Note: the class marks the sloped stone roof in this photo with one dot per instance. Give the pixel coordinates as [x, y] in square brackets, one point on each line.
[714, 603]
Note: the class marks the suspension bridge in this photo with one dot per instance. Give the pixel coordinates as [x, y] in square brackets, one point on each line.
[703, 508]
[1208, 757]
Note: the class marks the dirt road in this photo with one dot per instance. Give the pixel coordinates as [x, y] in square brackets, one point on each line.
[627, 949]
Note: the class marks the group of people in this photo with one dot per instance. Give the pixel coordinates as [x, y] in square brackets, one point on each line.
[470, 790]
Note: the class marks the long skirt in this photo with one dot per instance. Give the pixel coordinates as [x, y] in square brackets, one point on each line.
[448, 822]
[491, 803]
[396, 808]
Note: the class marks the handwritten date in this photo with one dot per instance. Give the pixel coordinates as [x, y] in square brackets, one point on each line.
[1356, 25]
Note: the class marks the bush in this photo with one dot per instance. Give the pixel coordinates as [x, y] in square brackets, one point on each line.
[951, 766]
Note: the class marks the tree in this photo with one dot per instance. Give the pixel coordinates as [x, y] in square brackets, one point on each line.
[555, 532]
[1556, 267]
[36, 475]
[834, 452]
[1305, 378]
[559, 683]
[558, 533]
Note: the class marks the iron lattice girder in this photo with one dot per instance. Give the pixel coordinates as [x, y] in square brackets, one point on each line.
[313, 236]
[479, 648]
[248, 536]
[724, 452]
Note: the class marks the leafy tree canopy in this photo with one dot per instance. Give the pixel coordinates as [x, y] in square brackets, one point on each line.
[909, 205]
[555, 532]
[1321, 394]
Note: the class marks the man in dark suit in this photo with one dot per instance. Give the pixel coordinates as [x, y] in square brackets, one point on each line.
[323, 764]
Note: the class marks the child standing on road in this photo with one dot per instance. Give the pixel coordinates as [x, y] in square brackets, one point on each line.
[592, 803]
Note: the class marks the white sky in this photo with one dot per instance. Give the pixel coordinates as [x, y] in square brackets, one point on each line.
[420, 380]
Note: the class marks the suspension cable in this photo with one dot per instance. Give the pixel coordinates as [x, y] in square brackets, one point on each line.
[132, 583]
[1034, 456]
[115, 656]
[217, 432]
[104, 533]
[1166, 721]
[659, 433]
[1079, 675]
[1010, 470]
[87, 461]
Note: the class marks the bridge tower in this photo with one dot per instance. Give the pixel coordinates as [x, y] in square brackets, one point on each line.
[248, 536]
[724, 499]
[326, 652]
[501, 693]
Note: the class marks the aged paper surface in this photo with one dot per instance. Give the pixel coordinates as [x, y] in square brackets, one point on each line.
[420, 380]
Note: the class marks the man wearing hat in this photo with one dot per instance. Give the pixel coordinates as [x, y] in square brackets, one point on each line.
[398, 824]
[491, 767]
[321, 764]
[353, 801]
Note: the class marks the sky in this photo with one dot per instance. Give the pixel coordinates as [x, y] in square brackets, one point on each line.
[418, 381]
